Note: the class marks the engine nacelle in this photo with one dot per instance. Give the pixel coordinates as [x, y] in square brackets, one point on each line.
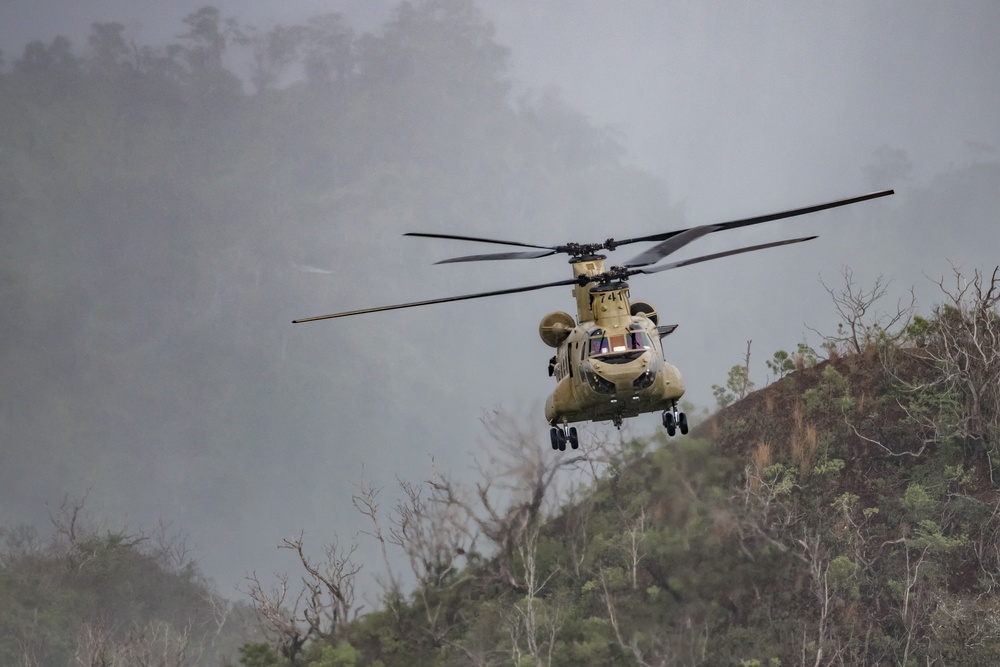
[644, 308]
[555, 327]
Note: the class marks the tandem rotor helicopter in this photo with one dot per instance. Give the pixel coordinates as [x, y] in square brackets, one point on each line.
[609, 363]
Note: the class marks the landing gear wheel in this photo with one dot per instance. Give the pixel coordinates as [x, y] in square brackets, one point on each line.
[682, 423]
[669, 423]
[560, 435]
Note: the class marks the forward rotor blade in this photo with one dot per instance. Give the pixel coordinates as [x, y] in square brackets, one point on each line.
[477, 239]
[717, 255]
[414, 304]
[674, 243]
[745, 222]
[526, 254]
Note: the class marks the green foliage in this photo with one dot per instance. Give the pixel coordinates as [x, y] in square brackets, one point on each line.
[918, 332]
[738, 385]
[928, 535]
[781, 364]
[805, 356]
[830, 467]
[342, 655]
[918, 501]
[259, 655]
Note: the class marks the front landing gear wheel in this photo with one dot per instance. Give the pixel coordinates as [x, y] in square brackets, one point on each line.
[669, 423]
[558, 438]
[560, 435]
[674, 420]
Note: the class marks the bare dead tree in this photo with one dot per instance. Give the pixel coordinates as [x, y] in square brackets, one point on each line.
[20, 543]
[533, 615]
[862, 327]
[278, 611]
[963, 347]
[27, 655]
[365, 500]
[328, 590]
[67, 522]
[220, 609]
[431, 534]
[511, 492]
[170, 548]
[434, 536]
[156, 645]
[657, 649]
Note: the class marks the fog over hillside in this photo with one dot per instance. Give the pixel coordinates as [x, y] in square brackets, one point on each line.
[156, 364]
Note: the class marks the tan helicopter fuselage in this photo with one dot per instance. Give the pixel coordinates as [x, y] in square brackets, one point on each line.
[609, 361]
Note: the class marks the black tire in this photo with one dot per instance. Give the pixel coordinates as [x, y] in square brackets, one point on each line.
[682, 422]
[554, 437]
[574, 439]
[669, 424]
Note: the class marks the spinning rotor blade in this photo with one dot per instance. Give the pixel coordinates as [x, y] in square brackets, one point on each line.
[447, 299]
[756, 220]
[717, 255]
[674, 243]
[644, 262]
[558, 283]
[527, 254]
[477, 239]
[648, 257]
[543, 251]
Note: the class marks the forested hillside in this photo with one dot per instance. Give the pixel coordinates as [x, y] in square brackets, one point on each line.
[80, 593]
[846, 514]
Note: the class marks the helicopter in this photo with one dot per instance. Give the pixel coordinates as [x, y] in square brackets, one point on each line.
[609, 363]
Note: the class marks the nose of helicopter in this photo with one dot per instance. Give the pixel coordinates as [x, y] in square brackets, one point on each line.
[624, 369]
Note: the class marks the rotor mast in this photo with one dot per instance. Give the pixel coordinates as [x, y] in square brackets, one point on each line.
[585, 267]
[601, 297]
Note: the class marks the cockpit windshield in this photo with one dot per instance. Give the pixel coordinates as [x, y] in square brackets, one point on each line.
[603, 343]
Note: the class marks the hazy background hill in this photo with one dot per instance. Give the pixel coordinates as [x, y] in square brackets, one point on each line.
[173, 194]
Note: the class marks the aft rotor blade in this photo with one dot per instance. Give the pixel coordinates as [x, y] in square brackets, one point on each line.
[429, 302]
[674, 243]
[717, 255]
[745, 222]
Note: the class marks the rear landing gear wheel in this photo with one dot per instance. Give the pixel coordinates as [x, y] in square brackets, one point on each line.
[682, 423]
[574, 440]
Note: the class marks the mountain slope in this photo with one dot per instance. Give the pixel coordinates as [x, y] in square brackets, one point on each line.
[845, 514]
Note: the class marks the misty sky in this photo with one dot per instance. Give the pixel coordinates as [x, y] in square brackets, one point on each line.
[732, 103]
[741, 108]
